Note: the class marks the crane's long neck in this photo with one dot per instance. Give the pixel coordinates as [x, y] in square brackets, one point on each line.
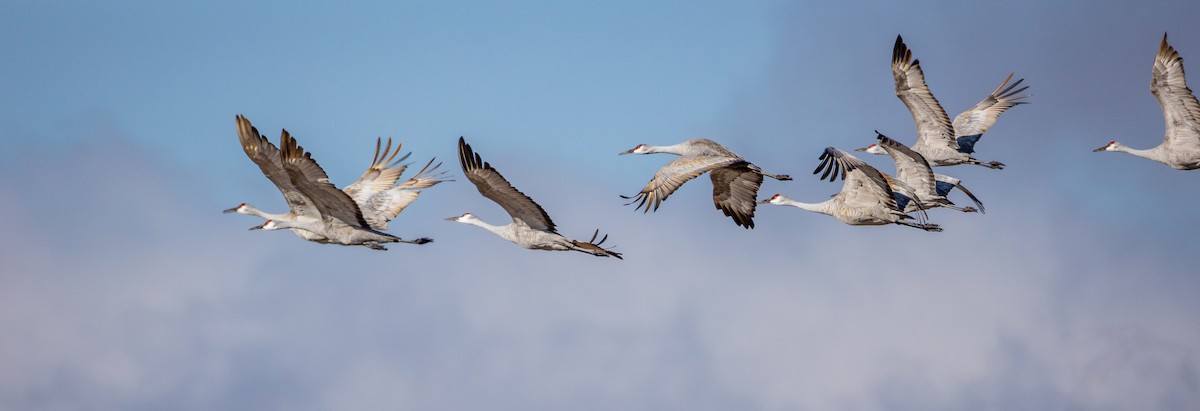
[501, 230]
[676, 149]
[824, 207]
[1155, 153]
[249, 209]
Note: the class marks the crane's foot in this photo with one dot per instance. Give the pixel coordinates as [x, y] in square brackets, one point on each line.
[994, 165]
[375, 246]
[780, 177]
[969, 209]
[933, 228]
[423, 240]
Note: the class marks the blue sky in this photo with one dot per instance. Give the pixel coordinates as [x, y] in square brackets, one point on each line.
[122, 286]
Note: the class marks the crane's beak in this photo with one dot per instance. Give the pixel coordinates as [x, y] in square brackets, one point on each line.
[767, 201]
[232, 210]
[629, 151]
[1100, 149]
[257, 227]
[861, 149]
[451, 218]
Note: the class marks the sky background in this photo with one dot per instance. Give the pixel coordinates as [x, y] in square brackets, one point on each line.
[122, 286]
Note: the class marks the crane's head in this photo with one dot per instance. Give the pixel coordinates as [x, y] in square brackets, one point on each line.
[775, 199]
[269, 225]
[639, 149]
[240, 209]
[465, 218]
[1111, 146]
[872, 149]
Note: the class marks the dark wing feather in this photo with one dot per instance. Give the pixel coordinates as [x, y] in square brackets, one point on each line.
[311, 180]
[266, 155]
[493, 186]
[735, 190]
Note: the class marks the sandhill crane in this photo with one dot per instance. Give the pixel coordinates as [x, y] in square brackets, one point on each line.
[1180, 148]
[914, 170]
[941, 142]
[318, 211]
[735, 180]
[531, 227]
[866, 197]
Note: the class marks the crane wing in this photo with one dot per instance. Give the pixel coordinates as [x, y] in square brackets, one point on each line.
[382, 207]
[911, 166]
[735, 191]
[1180, 108]
[946, 184]
[864, 186]
[672, 176]
[266, 155]
[493, 186]
[933, 125]
[381, 175]
[310, 179]
[970, 125]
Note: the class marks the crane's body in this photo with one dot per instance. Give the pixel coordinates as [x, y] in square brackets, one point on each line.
[531, 227]
[912, 169]
[1180, 148]
[735, 180]
[866, 197]
[318, 211]
[942, 142]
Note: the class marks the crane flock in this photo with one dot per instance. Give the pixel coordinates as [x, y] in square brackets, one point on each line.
[358, 214]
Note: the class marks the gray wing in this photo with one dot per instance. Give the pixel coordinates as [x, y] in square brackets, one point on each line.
[493, 186]
[263, 153]
[911, 166]
[383, 206]
[672, 176]
[381, 176]
[1179, 105]
[735, 191]
[864, 184]
[945, 184]
[970, 125]
[310, 179]
[933, 125]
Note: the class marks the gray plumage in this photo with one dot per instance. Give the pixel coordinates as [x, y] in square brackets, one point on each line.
[915, 171]
[531, 227]
[318, 211]
[866, 197]
[1180, 148]
[941, 142]
[735, 180]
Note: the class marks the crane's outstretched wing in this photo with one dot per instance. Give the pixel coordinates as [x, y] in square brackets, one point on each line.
[263, 153]
[864, 186]
[735, 191]
[946, 184]
[911, 166]
[381, 176]
[671, 176]
[970, 125]
[1179, 105]
[493, 186]
[310, 179]
[382, 207]
[933, 125]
